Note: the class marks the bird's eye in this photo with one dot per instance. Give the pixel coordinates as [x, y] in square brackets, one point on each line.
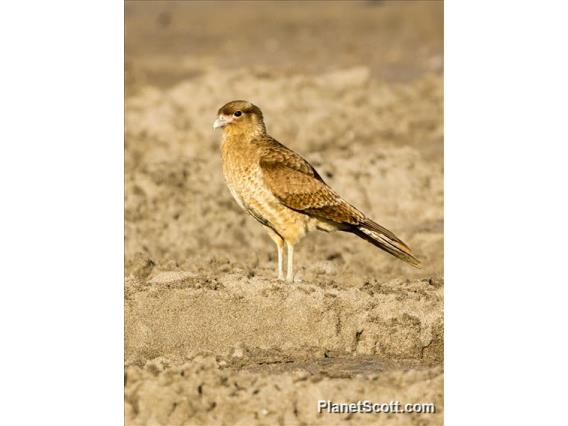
[237, 114]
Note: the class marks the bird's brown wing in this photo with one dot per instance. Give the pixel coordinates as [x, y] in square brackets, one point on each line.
[298, 186]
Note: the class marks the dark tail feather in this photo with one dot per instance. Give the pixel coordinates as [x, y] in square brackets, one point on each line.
[385, 240]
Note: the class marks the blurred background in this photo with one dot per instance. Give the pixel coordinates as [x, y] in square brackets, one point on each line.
[167, 42]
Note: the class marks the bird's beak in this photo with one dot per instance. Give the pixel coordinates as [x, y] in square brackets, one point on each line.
[221, 121]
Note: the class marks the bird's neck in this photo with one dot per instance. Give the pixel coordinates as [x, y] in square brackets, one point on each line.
[243, 134]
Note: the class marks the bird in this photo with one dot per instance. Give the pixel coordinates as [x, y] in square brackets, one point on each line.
[284, 192]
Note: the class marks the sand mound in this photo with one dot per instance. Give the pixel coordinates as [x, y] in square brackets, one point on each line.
[395, 320]
[272, 350]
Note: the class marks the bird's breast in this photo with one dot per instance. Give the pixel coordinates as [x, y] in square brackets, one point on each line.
[246, 184]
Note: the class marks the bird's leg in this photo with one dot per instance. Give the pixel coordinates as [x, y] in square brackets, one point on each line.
[290, 271]
[280, 245]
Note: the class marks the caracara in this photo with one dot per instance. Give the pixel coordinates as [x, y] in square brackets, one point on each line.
[284, 192]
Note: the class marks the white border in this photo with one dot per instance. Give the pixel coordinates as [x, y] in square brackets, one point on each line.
[506, 212]
[61, 172]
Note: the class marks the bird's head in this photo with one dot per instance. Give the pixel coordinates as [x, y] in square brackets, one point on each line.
[240, 117]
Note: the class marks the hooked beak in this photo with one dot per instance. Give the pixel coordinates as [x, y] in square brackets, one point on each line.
[221, 121]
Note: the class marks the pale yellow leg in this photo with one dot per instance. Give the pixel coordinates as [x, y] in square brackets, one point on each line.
[280, 260]
[280, 245]
[290, 270]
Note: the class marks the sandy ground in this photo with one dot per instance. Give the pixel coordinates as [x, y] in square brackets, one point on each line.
[211, 337]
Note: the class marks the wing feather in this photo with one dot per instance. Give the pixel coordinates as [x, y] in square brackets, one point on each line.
[298, 186]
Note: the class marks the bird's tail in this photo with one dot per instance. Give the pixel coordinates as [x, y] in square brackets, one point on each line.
[385, 240]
